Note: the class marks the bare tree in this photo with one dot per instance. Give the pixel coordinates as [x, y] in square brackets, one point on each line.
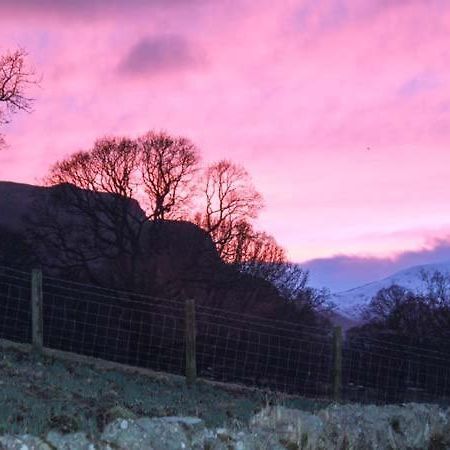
[437, 287]
[418, 314]
[249, 246]
[230, 202]
[257, 246]
[14, 80]
[385, 302]
[168, 166]
[109, 167]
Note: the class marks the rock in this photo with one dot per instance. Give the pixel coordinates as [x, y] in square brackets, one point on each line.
[256, 440]
[291, 426]
[223, 439]
[410, 426]
[22, 442]
[160, 433]
[184, 433]
[70, 441]
[191, 424]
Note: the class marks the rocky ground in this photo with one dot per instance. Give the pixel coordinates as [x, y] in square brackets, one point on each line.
[47, 403]
[42, 393]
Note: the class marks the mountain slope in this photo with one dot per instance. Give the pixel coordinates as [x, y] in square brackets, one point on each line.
[350, 303]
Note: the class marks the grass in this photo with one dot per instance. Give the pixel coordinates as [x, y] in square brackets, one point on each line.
[43, 392]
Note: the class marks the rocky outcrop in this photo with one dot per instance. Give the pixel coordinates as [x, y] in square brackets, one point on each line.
[104, 239]
[105, 236]
[410, 426]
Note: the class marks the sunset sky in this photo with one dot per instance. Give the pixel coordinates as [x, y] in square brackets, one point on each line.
[339, 109]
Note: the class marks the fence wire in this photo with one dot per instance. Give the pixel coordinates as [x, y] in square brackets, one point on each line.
[264, 354]
[15, 307]
[386, 370]
[149, 332]
[120, 327]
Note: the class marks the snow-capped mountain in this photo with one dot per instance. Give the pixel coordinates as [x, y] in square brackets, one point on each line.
[350, 303]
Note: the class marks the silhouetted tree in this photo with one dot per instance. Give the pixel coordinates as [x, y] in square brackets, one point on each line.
[385, 302]
[407, 333]
[167, 166]
[230, 202]
[437, 288]
[415, 314]
[109, 167]
[250, 245]
[14, 80]
[291, 282]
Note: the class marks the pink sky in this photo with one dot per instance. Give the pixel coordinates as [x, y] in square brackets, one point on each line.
[296, 91]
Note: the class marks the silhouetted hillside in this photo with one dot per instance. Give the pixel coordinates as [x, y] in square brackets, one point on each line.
[106, 240]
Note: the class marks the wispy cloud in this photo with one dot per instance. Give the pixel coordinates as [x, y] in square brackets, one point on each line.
[320, 15]
[89, 8]
[418, 84]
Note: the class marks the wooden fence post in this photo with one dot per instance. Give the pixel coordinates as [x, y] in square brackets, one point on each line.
[337, 364]
[36, 310]
[190, 334]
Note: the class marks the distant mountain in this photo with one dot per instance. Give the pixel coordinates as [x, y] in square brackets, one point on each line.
[350, 303]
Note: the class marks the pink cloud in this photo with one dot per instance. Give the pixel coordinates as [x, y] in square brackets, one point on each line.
[89, 9]
[297, 100]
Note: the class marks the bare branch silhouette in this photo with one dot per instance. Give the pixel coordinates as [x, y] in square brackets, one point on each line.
[15, 77]
[231, 202]
[168, 166]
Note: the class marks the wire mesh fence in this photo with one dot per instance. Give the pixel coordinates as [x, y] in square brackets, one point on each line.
[277, 355]
[116, 326]
[396, 369]
[150, 332]
[15, 308]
